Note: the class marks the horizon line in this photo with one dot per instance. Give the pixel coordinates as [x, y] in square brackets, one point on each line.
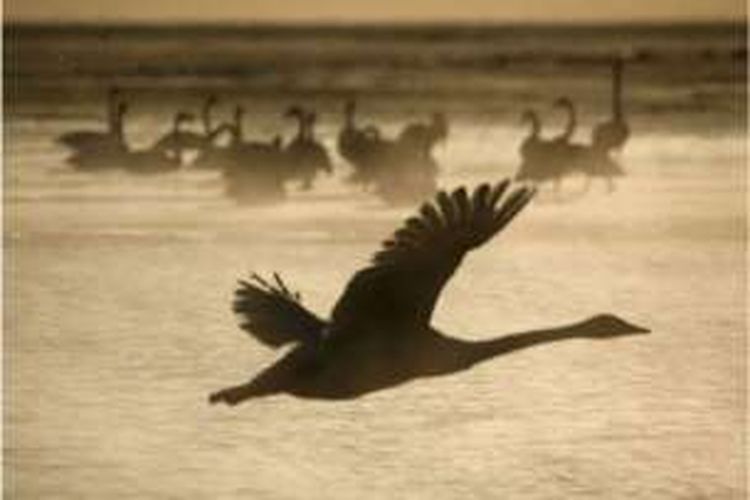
[353, 23]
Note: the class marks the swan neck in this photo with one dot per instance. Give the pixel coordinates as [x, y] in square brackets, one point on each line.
[114, 113]
[535, 125]
[349, 117]
[237, 129]
[572, 121]
[206, 118]
[488, 349]
[118, 125]
[617, 91]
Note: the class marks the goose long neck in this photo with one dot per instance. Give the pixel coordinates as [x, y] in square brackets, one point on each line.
[114, 114]
[536, 126]
[349, 116]
[477, 352]
[617, 90]
[119, 124]
[206, 117]
[310, 120]
[570, 127]
[303, 130]
[237, 131]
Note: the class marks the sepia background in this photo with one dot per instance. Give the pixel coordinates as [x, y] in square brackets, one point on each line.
[118, 288]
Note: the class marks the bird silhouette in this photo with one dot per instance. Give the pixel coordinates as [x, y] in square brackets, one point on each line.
[553, 159]
[379, 333]
[422, 137]
[540, 160]
[210, 155]
[90, 142]
[399, 170]
[614, 133]
[254, 171]
[305, 156]
[363, 147]
[164, 155]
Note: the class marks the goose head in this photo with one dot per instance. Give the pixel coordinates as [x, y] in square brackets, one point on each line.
[563, 102]
[529, 116]
[604, 326]
[310, 118]
[239, 113]
[294, 112]
[350, 107]
[183, 117]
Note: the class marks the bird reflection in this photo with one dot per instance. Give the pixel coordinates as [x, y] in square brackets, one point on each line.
[379, 334]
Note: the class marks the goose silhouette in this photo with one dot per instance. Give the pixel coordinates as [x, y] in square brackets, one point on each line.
[253, 171]
[99, 142]
[551, 160]
[421, 137]
[209, 154]
[163, 156]
[95, 151]
[539, 157]
[304, 154]
[362, 147]
[613, 133]
[379, 334]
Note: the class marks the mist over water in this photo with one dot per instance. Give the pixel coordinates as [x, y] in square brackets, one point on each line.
[119, 288]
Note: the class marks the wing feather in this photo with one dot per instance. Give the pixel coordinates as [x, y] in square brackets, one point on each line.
[273, 314]
[407, 274]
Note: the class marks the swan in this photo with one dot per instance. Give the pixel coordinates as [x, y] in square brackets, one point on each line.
[304, 154]
[164, 155]
[552, 160]
[100, 152]
[350, 140]
[101, 141]
[253, 171]
[364, 148]
[379, 334]
[421, 137]
[206, 118]
[614, 133]
[209, 154]
[540, 159]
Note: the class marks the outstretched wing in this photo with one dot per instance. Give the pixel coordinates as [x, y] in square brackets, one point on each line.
[273, 314]
[401, 286]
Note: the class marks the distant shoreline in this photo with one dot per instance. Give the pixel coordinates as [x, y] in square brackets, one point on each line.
[400, 27]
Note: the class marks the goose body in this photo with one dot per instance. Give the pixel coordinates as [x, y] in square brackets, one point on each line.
[379, 334]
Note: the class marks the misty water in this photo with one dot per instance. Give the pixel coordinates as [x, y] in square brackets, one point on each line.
[118, 288]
